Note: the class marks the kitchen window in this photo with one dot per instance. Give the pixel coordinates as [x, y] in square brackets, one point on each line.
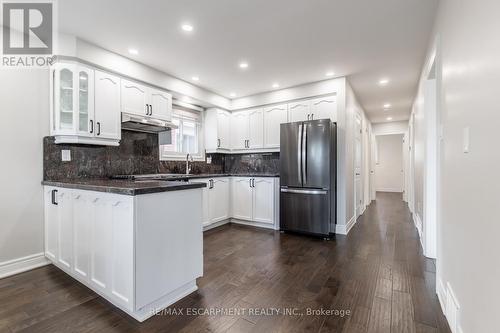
[186, 139]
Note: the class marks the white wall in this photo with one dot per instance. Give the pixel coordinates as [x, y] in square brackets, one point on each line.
[394, 127]
[466, 33]
[24, 101]
[388, 170]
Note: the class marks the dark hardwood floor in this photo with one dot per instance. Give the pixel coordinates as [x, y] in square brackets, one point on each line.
[377, 273]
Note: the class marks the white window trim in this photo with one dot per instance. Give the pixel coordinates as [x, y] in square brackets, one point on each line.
[200, 157]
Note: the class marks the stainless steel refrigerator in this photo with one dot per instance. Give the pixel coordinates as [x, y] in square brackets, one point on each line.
[308, 177]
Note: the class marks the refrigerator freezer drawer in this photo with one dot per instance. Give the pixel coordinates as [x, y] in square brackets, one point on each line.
[305, 210]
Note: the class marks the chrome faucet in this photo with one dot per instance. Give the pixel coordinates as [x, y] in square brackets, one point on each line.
[189, 158]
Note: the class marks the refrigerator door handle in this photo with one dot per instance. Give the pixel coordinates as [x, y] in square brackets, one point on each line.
[298, 191]
[304, 156]
[299, 154]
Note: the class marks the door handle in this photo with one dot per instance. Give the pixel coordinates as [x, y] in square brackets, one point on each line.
[91, 126]
[98, 128]
[147, 109]
[308, 116]
[299, 153]
[312, 116]
[304, 157]
[150, 109]
[218, 143]
[54, 193]
[289, 190]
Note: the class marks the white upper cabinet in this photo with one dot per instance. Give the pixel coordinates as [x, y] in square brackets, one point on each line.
[239, 130]
[141, 100]
[107, 106]
[324, 108]
[161, 105]
[247, 129]
[84, 108]
[274, 116]
[299, 111]
[255, 129]
[134, 98]
[217, 132]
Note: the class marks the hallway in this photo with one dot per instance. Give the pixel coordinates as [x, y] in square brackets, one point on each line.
[377, 273]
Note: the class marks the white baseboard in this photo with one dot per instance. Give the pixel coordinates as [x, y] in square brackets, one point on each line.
[19, 265]
[441, 294]
[254, 224]
[215, 225]
[343, 229]
[396, 190]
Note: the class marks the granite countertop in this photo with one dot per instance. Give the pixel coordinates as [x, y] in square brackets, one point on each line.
[170, 176]
[125, 187]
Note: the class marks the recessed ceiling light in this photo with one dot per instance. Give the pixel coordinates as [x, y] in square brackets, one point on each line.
[387, 106]
[276, 85]
[187, 27]
[133, 51]
[232, 94]
[383, 82]
[330, 74]
[243, 64]
[195, 78]
[389, 118]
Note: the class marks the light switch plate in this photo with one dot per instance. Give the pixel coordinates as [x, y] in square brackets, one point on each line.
[66, 155]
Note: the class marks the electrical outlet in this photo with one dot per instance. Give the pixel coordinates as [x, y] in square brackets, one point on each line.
[209, 159]
[66, 155]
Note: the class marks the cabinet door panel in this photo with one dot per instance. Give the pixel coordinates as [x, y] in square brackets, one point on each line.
[134, 98]
[107, 106]
[65, 99]
[205, 201]
[51, 224]
[256, 128]
[100, 247]
[219, 200]
[122, 252]
[83, 215]
[299, 111]
[85, 100]
[65, 233]
[241, 193]
[263, 200]
[239, 130]
[324, 108]
[223, 123]
[161, 103]
[273, 117]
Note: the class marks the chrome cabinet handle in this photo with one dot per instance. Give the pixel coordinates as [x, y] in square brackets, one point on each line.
[98, 128]
[91, 126]
[218, 143]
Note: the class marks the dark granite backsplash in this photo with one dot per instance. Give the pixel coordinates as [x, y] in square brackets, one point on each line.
[138, 153]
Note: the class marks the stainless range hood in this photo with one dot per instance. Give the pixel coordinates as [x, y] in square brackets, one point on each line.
[145, 124]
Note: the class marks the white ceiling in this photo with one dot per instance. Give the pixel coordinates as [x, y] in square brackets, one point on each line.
[287, 41]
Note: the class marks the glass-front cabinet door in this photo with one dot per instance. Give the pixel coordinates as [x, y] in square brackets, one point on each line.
[86, 125]
[64, 90]
[73, 107]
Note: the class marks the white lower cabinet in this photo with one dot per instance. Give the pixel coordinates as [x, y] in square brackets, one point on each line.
[253, 199]
[106, 241]
[249, 200]
[242, 194]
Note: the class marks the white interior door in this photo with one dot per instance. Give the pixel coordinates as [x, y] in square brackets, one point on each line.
[358, 162]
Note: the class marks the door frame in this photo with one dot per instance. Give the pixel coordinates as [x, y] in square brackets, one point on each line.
[358, 212]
